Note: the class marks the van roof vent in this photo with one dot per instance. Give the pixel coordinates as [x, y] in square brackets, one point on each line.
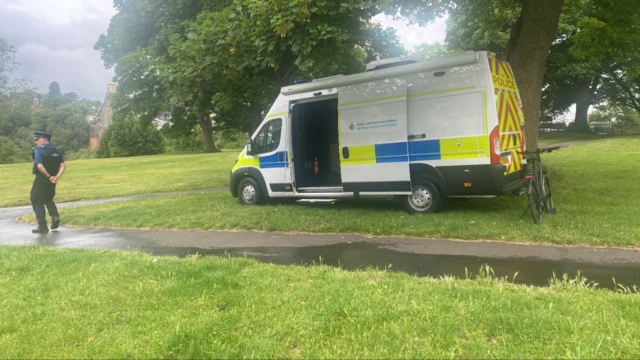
[388, 63]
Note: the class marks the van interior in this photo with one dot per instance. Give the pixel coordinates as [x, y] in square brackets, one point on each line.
[315, 136]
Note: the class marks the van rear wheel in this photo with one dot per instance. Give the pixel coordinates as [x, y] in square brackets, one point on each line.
[425, 198]
[249, 192]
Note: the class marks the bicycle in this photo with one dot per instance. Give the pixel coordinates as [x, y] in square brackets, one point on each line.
[538, 187]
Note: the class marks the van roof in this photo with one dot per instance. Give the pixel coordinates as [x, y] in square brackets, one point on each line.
[446, 61]
[387, 63]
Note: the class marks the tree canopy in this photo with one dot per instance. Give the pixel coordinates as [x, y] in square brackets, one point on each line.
[596, 42]
[230, 58]
[221, 63]
[23, 110]
[429, 51]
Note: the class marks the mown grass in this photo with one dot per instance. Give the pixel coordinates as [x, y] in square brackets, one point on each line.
[594, 188]
[89, 304]
[550, 138]
[103, 178]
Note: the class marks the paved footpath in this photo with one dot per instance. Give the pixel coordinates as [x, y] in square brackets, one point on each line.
[12, 233]
[534, 264]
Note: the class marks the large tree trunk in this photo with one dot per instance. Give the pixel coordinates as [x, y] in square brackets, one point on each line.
[583, 102]
[207, 133]
[527, 52]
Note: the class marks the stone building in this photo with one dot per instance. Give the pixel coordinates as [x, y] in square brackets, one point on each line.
[102, 120]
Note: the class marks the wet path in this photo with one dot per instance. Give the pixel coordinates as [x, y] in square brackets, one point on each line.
[534, 264]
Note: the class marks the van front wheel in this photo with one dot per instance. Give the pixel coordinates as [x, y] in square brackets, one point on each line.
[249, 192]
[425, 198]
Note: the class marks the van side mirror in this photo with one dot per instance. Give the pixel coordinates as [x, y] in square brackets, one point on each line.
[249, 147]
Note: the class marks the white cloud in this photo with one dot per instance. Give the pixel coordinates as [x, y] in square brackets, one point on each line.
[77, 70]
[62, 12]
[55, 39]
[413, 35]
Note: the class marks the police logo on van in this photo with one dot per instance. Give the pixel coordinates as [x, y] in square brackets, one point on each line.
[352, 127]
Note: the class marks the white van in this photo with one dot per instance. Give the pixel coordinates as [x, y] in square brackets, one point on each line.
[451, 126]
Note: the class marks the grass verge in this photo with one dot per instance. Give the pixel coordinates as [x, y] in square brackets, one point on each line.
[550, 138]
[103, 178]
[598, 204]
[89, 304]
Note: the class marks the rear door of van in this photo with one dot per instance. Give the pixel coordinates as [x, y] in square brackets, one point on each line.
[510, 115]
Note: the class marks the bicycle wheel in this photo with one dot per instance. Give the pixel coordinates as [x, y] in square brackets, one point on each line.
[546, 194]
[535, 201]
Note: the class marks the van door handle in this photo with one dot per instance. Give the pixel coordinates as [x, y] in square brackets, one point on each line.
[280, 156]
[345, 152]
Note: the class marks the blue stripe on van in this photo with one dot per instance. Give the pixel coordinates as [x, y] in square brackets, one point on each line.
[424, 150]
[272, 162]
[392, 152]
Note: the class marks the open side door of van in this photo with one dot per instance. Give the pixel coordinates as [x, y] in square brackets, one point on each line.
[374, 155]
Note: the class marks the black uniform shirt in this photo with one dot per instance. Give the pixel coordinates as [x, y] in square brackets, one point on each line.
[49, 157]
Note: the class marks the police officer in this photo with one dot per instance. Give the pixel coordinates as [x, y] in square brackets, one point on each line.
[48, 167]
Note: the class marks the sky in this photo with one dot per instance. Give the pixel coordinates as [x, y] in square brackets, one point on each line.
[54, 41]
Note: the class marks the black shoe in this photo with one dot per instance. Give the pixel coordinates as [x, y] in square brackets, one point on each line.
[55, 222]
[40, 230]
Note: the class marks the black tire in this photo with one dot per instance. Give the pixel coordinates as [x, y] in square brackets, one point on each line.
[249, 192]
[548, 199]
[535, 202]
[425, 199]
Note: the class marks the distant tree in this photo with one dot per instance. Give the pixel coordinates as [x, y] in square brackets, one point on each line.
[612, 112]
[66, 121]
[131, 137]
[70, 97]
[62, 115]
[622, 88]
[53, 98]
[610, 116]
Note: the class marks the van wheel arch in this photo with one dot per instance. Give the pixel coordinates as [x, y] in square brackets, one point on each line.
[428, 172]
[250, 173]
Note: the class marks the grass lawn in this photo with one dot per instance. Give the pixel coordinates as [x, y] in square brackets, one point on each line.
[103, 178]
[594, 187]
[550, 138]
[89, 304]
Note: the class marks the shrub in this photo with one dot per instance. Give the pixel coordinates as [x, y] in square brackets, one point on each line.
[130, 137]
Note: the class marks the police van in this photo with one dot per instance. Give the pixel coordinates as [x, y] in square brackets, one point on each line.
[448, 127]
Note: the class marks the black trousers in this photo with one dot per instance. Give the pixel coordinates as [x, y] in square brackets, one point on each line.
[42, 194]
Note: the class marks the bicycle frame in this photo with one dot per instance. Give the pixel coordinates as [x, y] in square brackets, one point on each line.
[538, 185]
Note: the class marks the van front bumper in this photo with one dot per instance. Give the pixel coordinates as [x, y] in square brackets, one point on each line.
[232, 188]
